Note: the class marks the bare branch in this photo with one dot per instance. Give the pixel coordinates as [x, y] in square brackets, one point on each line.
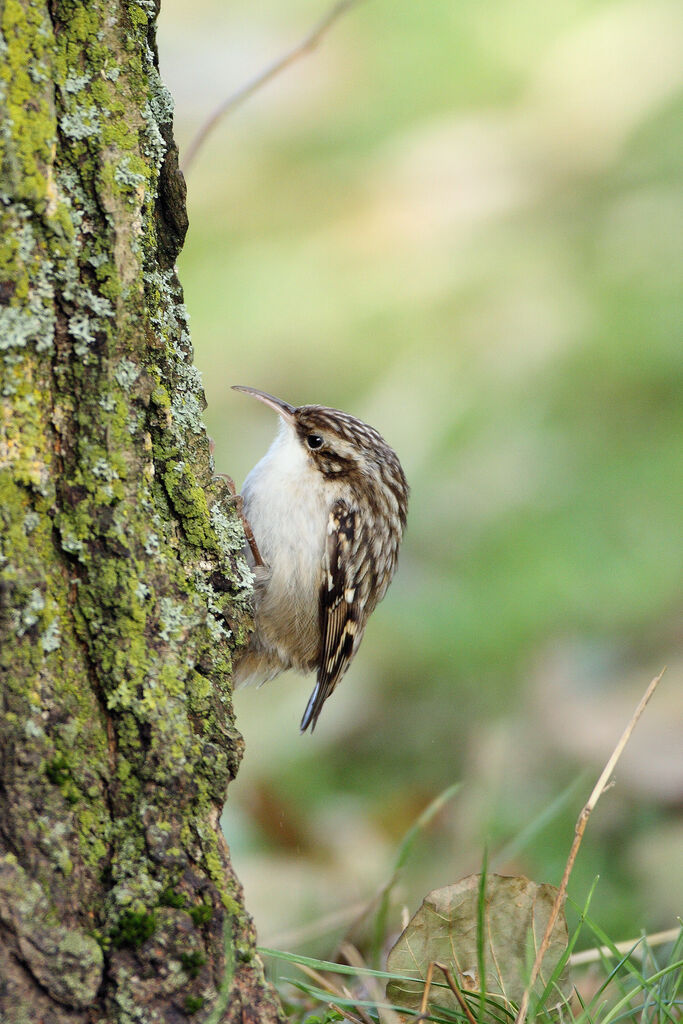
[581, 823]
[306, 45]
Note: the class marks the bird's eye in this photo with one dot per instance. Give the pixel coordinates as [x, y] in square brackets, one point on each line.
[314, 441]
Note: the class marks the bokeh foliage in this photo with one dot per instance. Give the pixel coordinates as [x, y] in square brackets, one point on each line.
[458, 220]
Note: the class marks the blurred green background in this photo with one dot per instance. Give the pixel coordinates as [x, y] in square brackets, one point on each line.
[460, 220]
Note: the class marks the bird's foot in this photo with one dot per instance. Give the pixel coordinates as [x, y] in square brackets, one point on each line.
[230, 482]
[249, 534]
[238, 501]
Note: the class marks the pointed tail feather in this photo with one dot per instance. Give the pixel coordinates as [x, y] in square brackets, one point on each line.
[315, 706]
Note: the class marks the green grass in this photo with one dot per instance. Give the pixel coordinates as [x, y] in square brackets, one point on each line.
[608, 981]
[641, 985]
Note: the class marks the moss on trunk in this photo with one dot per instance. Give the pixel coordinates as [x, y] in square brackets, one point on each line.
[122, 585]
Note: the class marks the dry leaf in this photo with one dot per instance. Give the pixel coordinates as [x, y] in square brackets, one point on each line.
[445, 928]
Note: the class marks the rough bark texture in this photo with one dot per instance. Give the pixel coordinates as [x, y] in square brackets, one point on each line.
[122, 586]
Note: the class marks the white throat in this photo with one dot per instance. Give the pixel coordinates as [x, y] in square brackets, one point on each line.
[286, 501]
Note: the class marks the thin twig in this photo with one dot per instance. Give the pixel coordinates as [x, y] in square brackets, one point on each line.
[579, 830]
[296, 937]
[339, 991]
[345, 1013]
[362, 1012]
[590, 956]
[320, 980]
[351, 917]
[427, 989]
[354, 959]
[450, 980]
[307, 44]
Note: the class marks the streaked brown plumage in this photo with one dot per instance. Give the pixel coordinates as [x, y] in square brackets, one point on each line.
[327, 506]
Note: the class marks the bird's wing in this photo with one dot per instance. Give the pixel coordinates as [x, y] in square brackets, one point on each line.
[340, 606]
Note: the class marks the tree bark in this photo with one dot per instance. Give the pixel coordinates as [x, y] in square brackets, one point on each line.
[123, 589]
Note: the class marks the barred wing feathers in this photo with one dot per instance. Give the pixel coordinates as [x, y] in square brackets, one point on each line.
[343, 610]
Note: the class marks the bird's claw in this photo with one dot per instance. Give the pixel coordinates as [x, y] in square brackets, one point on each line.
[231, 484]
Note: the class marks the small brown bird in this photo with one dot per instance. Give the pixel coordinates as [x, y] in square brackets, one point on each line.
[327, 506]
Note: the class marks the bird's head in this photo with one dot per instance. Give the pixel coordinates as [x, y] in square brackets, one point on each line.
[339, 445]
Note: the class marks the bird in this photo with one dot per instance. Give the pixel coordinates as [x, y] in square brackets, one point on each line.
[325, 512]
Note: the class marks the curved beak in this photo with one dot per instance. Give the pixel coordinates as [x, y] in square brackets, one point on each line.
[283, 408]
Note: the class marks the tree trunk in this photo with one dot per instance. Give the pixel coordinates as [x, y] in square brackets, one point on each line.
[123, 589]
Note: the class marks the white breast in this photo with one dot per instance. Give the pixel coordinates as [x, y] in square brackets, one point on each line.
[286, 502]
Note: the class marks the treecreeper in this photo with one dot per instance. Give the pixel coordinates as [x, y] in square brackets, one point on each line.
[325, 510]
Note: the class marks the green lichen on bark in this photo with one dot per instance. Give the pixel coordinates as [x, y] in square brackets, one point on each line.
[123, 589]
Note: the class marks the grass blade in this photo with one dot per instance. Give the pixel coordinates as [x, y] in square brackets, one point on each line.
[404, 849]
